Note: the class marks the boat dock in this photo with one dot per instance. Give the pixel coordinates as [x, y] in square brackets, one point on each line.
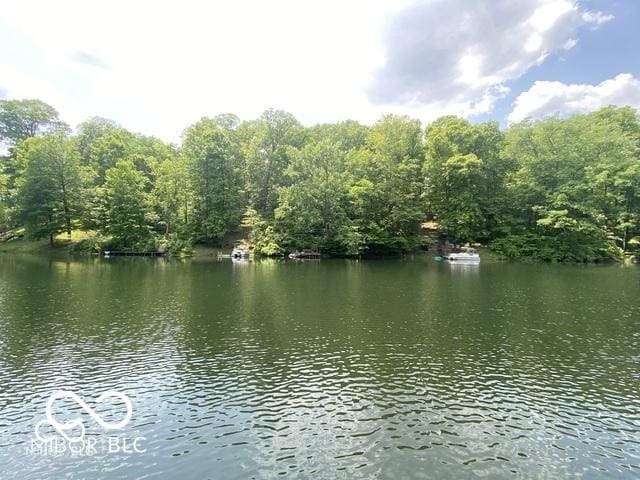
[111, 253]
[306, 254]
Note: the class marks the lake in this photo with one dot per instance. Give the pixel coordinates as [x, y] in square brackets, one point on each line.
[325, 370]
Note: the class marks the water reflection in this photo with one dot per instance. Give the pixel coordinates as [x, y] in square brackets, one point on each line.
[464, 268]
[240, 261]
[391, 369]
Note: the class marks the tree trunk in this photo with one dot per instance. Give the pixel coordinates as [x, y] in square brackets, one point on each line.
[67, 210]
[51, 233]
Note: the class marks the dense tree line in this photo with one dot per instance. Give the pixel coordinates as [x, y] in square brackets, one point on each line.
[556, 189]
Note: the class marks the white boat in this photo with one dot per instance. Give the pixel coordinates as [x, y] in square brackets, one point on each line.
[240, 252]
[470, 256]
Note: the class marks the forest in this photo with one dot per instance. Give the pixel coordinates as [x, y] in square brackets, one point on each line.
[558, 189]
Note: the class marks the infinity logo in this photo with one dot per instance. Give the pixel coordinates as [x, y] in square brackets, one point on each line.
[63, 428]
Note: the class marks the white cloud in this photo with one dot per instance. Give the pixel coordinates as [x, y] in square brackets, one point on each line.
[458, 56]
[596, 18]
[156, 66]
[551, 98]
[533, 43]
[170, 63]
[547, 13]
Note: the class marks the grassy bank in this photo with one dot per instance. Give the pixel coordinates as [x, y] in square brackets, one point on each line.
[65, 245]
[62, 243]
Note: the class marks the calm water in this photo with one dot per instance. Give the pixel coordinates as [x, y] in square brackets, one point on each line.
[326, 370]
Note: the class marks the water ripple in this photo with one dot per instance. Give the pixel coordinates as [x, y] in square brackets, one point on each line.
[262, 381]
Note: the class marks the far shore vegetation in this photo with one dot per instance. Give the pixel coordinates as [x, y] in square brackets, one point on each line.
[558, 189]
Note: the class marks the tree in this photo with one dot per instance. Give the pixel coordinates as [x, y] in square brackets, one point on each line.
[576, 185]
[263, 237]
[265, 148]
[385, 185]
[4, 194]
[172, 195]
[458, 205]
[313, 209]
[21, 119]
[559, 189]
[465, 178]
[106, 149]
[616, 173]
[128, 207]
[348, 135]
[49, 189]
[88, 132]
[215, 179]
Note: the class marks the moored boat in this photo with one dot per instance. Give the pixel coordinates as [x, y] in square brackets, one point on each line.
[470, 256]
[240, 251]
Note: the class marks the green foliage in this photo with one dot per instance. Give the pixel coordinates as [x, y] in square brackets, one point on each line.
[215, 179]
[22, 119]
[127, 208]
[465, 178]
[107, 149]
[577, 182]
[385, 186]
[313, 209]
[564, 247]
[88, 134]
[348, 135]
[19, 121]
[172, 197]
[265, 147]
[550, 190]
[263, 238]
[4, 198]
[175, 244]
[91, 244]
[49, 190]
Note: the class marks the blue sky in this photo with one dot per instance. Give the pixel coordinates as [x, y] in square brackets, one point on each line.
[157, 66]
[599, 55]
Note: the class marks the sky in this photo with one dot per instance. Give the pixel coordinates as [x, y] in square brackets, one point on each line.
[156, 67]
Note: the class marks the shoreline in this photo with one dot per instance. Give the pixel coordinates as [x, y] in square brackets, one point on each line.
[65, 248]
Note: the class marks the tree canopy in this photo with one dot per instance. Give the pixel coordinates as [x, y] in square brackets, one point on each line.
[558, 189]
[21, 119]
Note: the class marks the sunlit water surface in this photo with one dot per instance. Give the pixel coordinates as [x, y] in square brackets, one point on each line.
[326, 370]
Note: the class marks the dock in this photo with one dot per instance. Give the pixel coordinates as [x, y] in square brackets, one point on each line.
[111, 253]
[306, 254]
